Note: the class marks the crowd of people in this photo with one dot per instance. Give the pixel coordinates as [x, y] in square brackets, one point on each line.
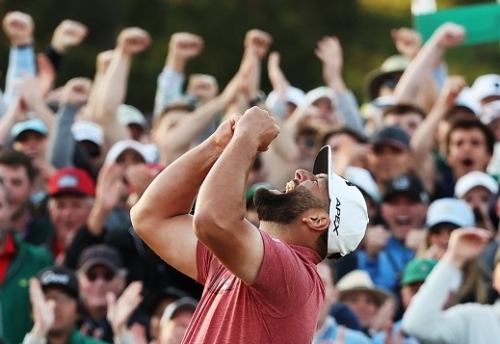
[424, 150]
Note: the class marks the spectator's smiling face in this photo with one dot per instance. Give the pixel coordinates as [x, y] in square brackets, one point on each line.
[467, 151]
[68, 213]
[96, 282]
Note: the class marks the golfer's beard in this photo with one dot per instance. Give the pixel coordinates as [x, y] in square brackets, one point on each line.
[283, 208]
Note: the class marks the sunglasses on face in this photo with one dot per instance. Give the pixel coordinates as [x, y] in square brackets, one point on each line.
[93, 276]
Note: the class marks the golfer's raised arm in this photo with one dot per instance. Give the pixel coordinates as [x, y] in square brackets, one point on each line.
[161, 217]
[220, 209]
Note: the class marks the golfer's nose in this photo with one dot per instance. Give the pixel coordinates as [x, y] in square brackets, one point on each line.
[303, 175]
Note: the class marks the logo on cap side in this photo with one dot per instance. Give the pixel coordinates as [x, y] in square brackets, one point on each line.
[336, 222]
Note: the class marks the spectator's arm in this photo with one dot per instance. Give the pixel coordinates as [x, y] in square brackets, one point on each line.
[15, 113]
[67, 34]
[19, 29]
[182, 47]
[62, 144]
[177, 140]
[329, 51]
[30, 92]
[110, 189]
[428, 58]
[421, 143]
[113, 87]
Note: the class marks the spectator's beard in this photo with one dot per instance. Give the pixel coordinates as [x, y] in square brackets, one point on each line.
[284, 208]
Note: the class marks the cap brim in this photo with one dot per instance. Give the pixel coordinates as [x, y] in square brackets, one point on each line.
[323, 161]
[99, 261]
[375, 79]
[380, 295]
[391, 142]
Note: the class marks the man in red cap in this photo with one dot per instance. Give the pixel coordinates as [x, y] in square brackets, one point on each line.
[71, 195]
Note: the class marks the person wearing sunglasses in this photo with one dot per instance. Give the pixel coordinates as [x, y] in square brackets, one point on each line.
[100, 271]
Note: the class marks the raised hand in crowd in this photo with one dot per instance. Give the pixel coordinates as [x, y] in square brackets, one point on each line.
[258, 42]
[350, 153]
[414, 238]
[376, 238]
[407, 41]
[133, 40]
[111, 191]
[138, 177]
[42, 310]
[68, 33]
[182, 47]
[465, 245]
[46, 74]
[102, 61]
[276, 75]
[384, 315]
[19, 28]
[120, 310]
[329, 51]
[76, 92]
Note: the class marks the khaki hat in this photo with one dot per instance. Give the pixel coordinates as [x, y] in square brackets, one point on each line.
[393, 65]
[359, 280]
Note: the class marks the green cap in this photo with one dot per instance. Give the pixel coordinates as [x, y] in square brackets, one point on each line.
[417, 270]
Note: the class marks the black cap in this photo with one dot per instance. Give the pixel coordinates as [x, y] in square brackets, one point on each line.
[391, 135]
[59, 276]
[161, 294]
[407, 184]
[100, 255]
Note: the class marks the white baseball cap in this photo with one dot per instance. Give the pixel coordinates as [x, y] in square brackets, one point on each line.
[318, 93]
[450, 210]
[88, 131]
[467, 99]
[121, 146]
[183, 304]
[473, 179]
[486, 85]
[127, 114]
[348, 212]
[293, 95]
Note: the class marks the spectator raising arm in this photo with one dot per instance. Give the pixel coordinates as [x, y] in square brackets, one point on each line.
[329, 51]
[429, 57]
[113, 88]
[61, 141]
[19, 29]
[68, 33]
[183, 46]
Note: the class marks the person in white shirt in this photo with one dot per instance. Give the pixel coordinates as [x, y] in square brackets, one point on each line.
[464, 323]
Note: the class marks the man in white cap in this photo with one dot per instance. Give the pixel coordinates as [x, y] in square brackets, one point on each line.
[477, 188]
[486, 88]
[261, 285]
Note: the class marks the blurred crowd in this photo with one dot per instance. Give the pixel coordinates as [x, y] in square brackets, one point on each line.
[423, 148]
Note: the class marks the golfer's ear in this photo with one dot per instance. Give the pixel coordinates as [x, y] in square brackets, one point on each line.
[316, 219]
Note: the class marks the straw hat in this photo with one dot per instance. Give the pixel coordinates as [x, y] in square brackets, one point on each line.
[359, 280]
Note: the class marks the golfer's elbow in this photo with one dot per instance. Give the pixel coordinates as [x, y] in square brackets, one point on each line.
[207, 224]
[142, 219]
